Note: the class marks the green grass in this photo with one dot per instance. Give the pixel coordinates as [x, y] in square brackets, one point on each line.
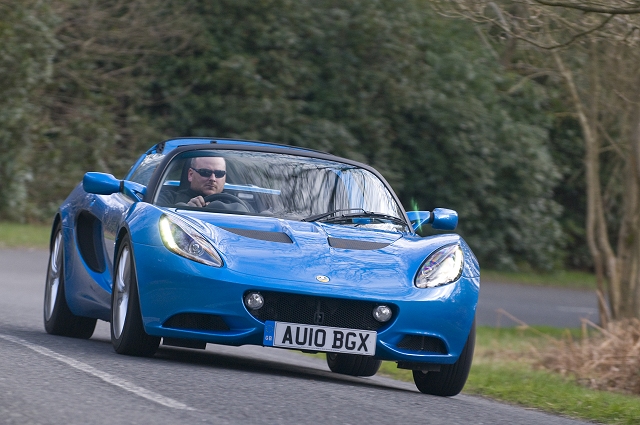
[518, 384]
[14, 235]
[560, 278]
[499, 373]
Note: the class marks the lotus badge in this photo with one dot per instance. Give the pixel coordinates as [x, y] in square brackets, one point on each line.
[323, 279]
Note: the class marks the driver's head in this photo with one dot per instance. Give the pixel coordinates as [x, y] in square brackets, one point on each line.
[202, 175]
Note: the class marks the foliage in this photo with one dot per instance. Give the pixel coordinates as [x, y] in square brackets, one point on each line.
[567, 150]
[390, 84]
[385, 82]
[27, 47]
[98, 98]
[580, 41]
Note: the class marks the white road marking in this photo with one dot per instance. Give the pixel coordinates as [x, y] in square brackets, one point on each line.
[107, 377]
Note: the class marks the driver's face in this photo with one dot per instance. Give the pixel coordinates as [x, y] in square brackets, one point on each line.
[207, 185]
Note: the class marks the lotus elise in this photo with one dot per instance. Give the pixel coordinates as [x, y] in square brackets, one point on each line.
[242, 242]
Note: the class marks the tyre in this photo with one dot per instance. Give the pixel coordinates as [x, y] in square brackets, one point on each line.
[127, 332]
[58, 318]
[353, 364]
[451, 378]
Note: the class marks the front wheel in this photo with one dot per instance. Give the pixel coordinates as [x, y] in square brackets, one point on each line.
[58, 318]
[451, 378]
[127, 332]
[353, 364]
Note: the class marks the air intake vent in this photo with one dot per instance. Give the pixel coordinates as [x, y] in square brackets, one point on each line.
[196, 322]
[89, 234]
[423, 343]
[260, 235]
[356, 244]
[310, 310]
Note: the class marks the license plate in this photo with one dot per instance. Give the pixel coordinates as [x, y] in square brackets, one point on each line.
[319, 338]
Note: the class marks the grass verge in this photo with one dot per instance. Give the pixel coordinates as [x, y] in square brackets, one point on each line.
[560, 278]
[518, 384]
[502, 372]
[13, 235]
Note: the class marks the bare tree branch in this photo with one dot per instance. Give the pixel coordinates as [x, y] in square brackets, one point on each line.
[592, 7]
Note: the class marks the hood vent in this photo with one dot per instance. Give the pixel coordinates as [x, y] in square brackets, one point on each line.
[260, 235]
[356, 244]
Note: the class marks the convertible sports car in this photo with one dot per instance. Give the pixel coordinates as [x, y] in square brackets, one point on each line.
[241, 242]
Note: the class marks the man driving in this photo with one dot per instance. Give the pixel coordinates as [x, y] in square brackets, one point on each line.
[206, 175]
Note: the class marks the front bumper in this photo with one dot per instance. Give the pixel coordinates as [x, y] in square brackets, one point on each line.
[170, 285]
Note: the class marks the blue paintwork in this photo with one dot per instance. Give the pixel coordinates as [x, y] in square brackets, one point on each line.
[418, 218]
[171, 284]
[444, 219]
[439, 218]
[106, 184]
[100, 183]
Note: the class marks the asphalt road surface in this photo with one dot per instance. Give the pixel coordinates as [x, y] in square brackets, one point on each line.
[503, 304]
[46, 379]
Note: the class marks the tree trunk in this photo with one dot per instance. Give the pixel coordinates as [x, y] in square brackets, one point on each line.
[629, 235]
[604, 259]
[617, 272]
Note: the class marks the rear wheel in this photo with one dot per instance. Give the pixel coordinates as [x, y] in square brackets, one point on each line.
[353, 364]
[450, 380]
[58, 318]
[127, 332]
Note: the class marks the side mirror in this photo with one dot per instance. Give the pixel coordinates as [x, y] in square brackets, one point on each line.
[439, 218]
[106, 184]
[444, 219]
[100, 183]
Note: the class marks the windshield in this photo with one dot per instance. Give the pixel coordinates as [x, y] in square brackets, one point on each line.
[143, 172]
[284, 186]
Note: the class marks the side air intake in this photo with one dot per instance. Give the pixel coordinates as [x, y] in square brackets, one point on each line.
[423, 343]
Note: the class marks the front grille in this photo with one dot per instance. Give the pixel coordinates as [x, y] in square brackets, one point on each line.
[423, 343]
[196, 322]
[311, 310]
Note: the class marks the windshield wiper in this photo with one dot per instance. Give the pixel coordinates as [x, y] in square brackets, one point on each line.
[327, 214]
[366, 214]
[362, 214]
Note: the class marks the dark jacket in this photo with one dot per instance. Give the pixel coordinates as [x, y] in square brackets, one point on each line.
[169, 198]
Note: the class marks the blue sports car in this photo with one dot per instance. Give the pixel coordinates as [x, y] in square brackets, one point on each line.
[242, 242]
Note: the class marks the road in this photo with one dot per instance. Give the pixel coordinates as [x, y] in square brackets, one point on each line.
[535, 305]
[51, 380]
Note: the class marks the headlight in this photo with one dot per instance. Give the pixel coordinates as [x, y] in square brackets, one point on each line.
[442, 267]
[179, 237]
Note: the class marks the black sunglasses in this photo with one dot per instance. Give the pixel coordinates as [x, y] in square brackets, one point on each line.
[205, 172]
